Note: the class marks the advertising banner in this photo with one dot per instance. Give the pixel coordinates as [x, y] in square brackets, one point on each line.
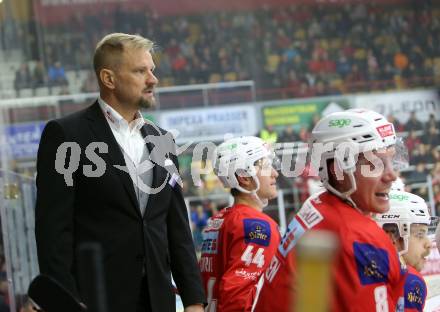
[210, 124]
[401, 104]
[22, 139]
[299, 114]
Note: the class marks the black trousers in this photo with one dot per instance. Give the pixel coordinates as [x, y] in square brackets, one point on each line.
[144, 302]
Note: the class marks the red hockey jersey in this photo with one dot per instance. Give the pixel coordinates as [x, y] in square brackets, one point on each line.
[238, 244]
[366, 273]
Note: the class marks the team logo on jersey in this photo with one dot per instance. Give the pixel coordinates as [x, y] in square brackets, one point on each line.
[309, 215]
[293, 233]
[209, 245]
[372, 263]
[415, 292]
[256, 231]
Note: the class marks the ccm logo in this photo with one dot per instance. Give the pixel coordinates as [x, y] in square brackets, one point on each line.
[390, 216]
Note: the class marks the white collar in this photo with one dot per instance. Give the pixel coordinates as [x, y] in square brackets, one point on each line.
[117, 120]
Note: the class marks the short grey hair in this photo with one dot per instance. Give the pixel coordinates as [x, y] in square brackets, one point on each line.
[108, 51]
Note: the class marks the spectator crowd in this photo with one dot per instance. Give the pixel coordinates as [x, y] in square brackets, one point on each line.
[294, 51]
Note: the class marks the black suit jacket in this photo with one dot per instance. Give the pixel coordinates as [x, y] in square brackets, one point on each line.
[105, 210]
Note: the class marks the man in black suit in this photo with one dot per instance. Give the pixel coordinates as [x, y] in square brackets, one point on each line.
[97, 181]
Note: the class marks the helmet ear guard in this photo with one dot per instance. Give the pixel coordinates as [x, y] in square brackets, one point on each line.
[346, 156]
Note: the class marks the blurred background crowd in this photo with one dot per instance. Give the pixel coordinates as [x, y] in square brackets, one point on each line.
[289, 51]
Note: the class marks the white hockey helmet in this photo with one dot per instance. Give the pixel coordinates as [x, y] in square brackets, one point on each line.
[405, 209]
[238, 156]
[362, 129]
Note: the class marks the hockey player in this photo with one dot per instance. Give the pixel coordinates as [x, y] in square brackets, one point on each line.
[407, 224]
[240, 241]
[366, 270]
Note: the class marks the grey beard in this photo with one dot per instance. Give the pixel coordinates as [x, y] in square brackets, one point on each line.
[150, 103]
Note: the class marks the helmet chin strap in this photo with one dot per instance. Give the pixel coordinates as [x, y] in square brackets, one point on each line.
[261, 202]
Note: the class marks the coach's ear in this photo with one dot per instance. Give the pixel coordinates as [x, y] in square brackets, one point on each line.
[107, 78]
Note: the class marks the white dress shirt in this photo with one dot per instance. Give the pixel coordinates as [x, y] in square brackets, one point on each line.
[132, 145]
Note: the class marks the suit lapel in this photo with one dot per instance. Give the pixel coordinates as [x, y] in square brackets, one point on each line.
[102, 131]
[159, 171]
